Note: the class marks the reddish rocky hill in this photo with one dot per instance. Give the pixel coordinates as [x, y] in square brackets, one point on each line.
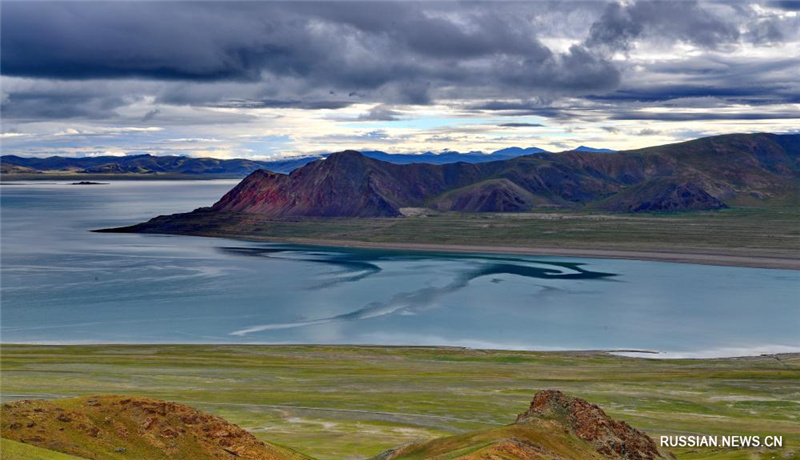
[610, 438]
[701, 174]
[346, 184]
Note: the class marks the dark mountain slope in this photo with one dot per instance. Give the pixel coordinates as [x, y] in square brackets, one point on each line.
[346, 184]
[662, 194]
[499, 195]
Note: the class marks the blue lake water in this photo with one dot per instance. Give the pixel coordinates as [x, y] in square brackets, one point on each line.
[63, 284]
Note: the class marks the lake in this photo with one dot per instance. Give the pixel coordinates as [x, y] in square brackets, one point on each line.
[63, 284]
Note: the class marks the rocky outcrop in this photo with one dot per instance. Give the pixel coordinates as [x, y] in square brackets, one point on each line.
[106, 427]
[611, 438]
[555, 427]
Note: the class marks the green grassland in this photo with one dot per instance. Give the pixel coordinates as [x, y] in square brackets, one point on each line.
[340, 402]
[13, 450]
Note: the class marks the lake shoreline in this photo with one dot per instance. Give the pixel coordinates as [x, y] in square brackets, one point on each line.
[707, 257]
[622, 353]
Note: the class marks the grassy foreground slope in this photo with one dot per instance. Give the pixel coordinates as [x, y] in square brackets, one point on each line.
[12, 450]
[334, 402]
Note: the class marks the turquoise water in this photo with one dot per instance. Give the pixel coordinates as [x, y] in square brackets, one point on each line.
[63, 284]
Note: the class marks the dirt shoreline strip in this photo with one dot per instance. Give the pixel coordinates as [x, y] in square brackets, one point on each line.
[700, 256]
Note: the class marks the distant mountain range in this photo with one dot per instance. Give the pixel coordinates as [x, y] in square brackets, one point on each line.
[452, 157]
[702, 174]
[584, 148]
[132, 165]
[12, 166]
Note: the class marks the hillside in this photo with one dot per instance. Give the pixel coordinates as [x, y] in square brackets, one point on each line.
[346, 184]
[555, 426]
[704, 174]
[109, 427]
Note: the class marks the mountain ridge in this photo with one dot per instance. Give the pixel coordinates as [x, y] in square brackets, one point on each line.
[147, 165]
[584, 148]
[675, 177]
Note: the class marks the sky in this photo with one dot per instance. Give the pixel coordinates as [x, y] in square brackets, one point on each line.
[276, 79]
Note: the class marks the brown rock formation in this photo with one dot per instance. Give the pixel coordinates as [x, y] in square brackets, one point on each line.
[611, 438]
[106, 427]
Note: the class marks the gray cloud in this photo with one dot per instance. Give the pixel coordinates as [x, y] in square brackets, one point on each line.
[700, 116]
[649, 132]
[521, 125]
[390, 52]
[150, 114]
[685, 21]
[32, 100]
[380, 113]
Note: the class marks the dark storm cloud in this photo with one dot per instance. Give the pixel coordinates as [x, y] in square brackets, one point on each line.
[685, 21]
[21, 107]
[111, 40]
[31, 102]
[791, 5]
[753, 94]
[717, 80]
[397, 52]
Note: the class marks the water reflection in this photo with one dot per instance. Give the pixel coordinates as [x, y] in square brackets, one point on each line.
[359, 264]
